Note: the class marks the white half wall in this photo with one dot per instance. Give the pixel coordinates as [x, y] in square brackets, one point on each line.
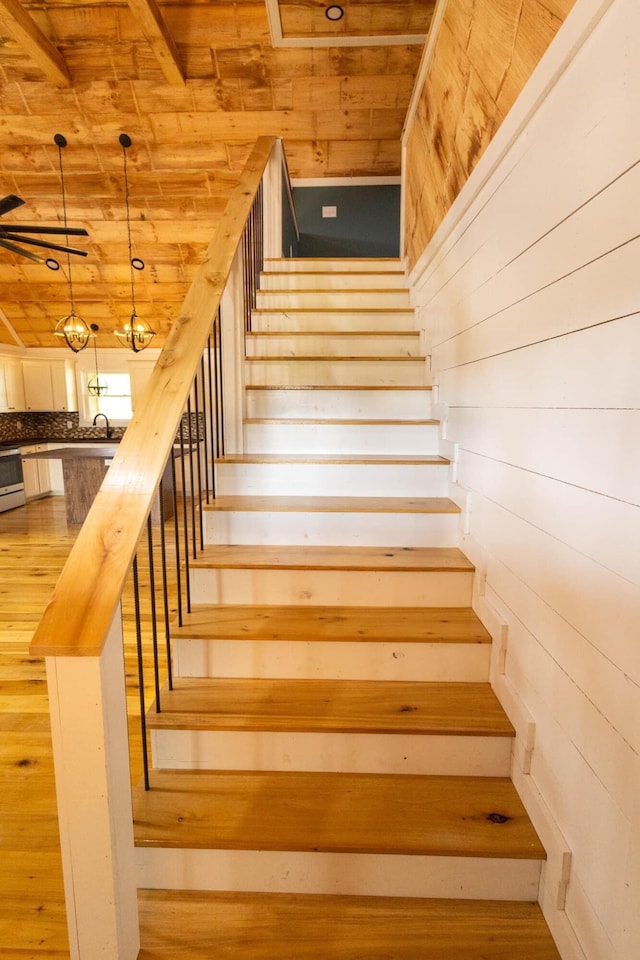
[530, 302]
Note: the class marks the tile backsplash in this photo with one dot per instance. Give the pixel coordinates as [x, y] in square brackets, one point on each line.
[50, 427]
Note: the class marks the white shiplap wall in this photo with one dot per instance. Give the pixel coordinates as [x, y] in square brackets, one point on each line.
[529, 296]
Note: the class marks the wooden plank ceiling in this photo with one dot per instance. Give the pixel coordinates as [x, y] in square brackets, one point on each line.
[192, 83]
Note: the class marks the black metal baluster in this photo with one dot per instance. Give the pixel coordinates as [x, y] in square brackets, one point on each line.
[259, 241]
[220, 383]
[212, 412]
[248, 291]
[143, 709]
[196, 393]
[154, 624]
[165, 586]
[191, 476]
[205, 427]
[176, 534]
[185, 520]
[254, 245]
[246, 267]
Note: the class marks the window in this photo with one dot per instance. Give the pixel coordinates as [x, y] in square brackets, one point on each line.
[115, 403]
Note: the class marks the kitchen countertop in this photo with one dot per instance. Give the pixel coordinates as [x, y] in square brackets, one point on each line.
[30, 441]
[71, 453]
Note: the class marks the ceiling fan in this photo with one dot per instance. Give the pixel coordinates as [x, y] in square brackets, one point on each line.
[11, 235]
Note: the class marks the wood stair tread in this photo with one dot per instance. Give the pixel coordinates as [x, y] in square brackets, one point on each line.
[334, 273]
[335, 421]
[296, 557]
[333, 333]
[351, 458]
[338, 387]
[335, 290]
[340, 623]
[337, 706]
[266, 926]
[394, 261]
[316, 358]
[257, 311]
[292, 504]
[335, 812]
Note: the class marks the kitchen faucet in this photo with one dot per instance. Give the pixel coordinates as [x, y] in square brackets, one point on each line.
[106, 420]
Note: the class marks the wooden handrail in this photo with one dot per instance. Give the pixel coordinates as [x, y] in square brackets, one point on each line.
[81, 609]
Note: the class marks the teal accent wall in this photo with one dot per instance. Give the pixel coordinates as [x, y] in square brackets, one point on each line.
[367, 222]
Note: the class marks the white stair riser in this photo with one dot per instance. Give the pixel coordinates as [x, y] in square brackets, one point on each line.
[476, 878]
[281, 320]
[327, 529]
[333, 660]
[331, 587]
[332, 265]
[331, 752]
[349, 280]
[343, 404]
[333, 300]
[331, 480]
[326, 345]
[319, 372]
[341, 438]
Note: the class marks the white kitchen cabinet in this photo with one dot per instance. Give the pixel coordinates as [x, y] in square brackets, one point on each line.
[49, 385]
[12, 397]
[37, 478]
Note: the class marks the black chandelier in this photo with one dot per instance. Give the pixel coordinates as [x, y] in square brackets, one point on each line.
[137, 333]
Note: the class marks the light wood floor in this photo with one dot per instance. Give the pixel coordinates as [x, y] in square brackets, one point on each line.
[34, 543]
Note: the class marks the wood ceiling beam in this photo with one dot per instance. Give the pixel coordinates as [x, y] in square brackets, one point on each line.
[9, 327]
[39, 47]
[161, 41]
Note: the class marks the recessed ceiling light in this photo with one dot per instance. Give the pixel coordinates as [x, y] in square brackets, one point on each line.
[334, 12]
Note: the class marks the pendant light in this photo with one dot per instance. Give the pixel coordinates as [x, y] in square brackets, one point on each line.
[137, 333]
[72, 328]
[96, 387]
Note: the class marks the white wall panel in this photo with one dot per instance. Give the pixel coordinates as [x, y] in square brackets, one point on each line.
[606, 291]
[596, 230]
[603, 608]
[530, 307]
[609, 689]
[568, 371]
[612, 536]
[593, 449]
[596, 832]
[540, 679]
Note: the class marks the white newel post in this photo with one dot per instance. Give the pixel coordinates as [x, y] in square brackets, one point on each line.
[272, 203]
[91, 755]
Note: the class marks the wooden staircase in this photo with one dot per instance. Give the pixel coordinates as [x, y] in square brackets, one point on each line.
[331, 770]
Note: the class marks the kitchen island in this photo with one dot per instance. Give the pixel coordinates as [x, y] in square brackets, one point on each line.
[83, 470]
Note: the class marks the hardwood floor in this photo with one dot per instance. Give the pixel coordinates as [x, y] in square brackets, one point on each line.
[34, 544]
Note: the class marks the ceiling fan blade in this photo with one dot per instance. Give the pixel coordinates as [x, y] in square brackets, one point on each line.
[24, 228]
[23, 253]
[42, 243]
[9, 202]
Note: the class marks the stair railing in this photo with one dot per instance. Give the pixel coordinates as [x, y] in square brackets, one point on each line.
[188, 413]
